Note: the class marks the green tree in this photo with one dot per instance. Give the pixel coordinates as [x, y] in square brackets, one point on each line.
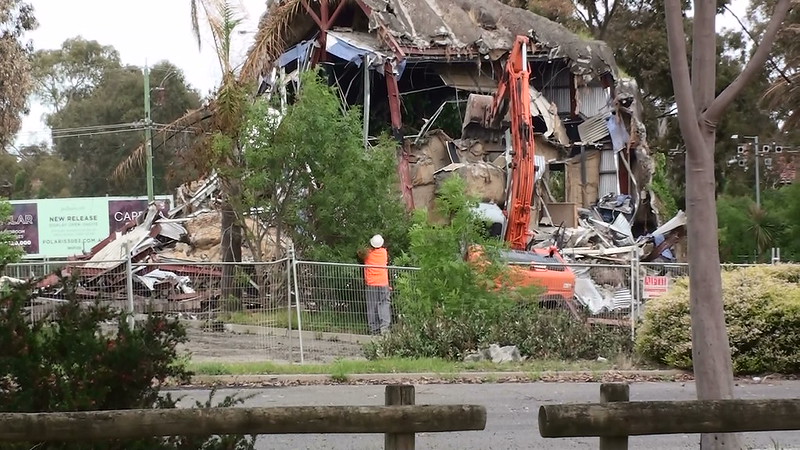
[735, 243]
[16, 18]
[35, 172]
[784, 67]
[71, 72]
[8, 253]
[313, 180]
[223, 152]
[93, 98]
[784, 205]
[9, 167]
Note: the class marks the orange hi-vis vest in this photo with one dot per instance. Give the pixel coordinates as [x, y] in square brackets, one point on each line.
[376, 276]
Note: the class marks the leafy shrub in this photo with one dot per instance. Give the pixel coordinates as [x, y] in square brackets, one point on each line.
[450, 307]
[762, 313]
[73, 361]
[556, 334]
[439, 335]
[538, 333]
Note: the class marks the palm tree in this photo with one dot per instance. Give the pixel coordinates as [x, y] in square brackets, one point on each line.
[225, 146]
[785, 91]
[763, 229]
[218, 149]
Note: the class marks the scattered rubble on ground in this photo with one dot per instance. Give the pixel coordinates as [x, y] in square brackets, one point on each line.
[496, 354]
[600, 253]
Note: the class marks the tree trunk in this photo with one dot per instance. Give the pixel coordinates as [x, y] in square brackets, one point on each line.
[711, 352]
[698, 113]
[231, 242]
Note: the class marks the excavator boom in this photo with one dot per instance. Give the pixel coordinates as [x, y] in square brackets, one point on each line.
[513, 98]
[513, 93]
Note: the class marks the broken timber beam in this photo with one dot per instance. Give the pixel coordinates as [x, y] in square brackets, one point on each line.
[403, 167]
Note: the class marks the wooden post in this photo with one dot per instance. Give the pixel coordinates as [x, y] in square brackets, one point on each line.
[399, 395]
[614, 392]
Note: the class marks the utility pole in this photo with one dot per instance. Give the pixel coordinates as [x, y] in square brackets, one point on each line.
[757, 157]
[148, 140]
[758, 172]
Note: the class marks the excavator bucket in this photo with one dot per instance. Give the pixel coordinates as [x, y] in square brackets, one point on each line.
[477, 119]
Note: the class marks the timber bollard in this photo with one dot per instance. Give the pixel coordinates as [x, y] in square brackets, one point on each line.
[614, 392]
[399, 395]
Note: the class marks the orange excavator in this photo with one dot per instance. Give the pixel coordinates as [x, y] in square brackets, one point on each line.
[529, 266]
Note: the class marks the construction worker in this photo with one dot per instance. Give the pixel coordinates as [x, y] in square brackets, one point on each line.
[376, 277]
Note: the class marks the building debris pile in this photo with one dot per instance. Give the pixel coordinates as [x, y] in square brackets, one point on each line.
[599, 239]
[601, 252]
[174, 250]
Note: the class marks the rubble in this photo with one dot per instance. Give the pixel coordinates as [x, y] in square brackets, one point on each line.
[496, 354]
[168, 248]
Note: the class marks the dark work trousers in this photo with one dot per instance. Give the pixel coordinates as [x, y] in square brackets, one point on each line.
[379, 312]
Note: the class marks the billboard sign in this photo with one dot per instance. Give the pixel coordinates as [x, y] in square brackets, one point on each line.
[62, 227]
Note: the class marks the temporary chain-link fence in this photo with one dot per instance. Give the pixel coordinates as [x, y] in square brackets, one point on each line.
[332, 308]
[304, 311]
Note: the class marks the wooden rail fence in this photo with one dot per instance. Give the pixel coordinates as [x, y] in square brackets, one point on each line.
[615, 417]
[400, 419]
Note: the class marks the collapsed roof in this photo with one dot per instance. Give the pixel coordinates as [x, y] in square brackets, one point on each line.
[488, 26]
[434, 29]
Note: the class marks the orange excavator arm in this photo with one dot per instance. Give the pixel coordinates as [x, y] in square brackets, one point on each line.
[513, 92]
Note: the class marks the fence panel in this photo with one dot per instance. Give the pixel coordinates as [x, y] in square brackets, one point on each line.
[104, 282]
[233, 311]
[289, 310]
[332, 308]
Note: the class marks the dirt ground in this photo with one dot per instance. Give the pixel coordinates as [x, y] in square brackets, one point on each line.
[229, 346]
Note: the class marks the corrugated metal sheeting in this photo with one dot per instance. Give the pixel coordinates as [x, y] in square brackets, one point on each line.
[553, 80]
[609, 172]
[593, 129]
[593, 99]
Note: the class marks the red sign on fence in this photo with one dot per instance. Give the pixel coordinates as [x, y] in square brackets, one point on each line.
[655, 286]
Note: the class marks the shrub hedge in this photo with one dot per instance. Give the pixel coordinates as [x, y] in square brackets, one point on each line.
[538, 333]
[86, 358]
[762, 313]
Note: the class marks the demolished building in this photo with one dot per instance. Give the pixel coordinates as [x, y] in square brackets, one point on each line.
[412, 65]
[408, 62]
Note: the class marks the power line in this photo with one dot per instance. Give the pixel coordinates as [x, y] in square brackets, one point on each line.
[140, 127]
[96, 128]
[91, 133]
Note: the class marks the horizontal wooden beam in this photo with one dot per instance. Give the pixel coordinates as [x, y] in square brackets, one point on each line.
[668, 417]
[136, 423]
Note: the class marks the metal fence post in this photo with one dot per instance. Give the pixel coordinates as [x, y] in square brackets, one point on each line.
[129, 283]
[290, 258]
[297, 304]
[634, 291]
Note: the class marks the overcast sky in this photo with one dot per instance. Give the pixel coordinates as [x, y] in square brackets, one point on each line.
[150, 31]
[143, 30]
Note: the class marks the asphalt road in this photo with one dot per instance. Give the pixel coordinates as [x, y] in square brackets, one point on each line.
[512, 414]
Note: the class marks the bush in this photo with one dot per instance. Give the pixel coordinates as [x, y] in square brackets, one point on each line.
[762, 313]
[538, 333]
[556, 334]
[450, 307]
[87, 358]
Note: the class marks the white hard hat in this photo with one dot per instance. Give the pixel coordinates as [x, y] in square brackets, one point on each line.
[376, 241]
